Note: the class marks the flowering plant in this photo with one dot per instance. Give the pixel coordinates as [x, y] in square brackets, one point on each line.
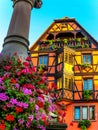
[23, 100]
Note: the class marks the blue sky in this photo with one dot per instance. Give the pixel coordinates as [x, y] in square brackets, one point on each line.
[85, 12]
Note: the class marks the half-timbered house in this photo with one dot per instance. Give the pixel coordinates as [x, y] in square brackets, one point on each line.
[69, 55]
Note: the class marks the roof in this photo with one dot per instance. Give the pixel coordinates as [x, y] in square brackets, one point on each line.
[64, 19]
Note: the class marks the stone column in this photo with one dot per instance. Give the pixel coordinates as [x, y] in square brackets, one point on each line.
[17, 36]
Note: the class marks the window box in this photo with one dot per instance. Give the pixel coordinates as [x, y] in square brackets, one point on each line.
[87, 94]
[85, 65]
[57, 127]
[84, 124]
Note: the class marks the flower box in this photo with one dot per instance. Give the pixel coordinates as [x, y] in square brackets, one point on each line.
[57, 127]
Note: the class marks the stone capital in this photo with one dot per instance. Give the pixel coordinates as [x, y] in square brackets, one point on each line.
[33, 3]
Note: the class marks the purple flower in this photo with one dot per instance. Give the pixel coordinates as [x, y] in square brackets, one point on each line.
[16, 129]
[27, 91]
[41, 127]
[19, 104]
[3, 97]
[28, 124]
[2, 87]
[25, 105]
[13, 101]
[22, 104]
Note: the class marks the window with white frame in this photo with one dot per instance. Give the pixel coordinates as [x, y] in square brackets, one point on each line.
[84, 112]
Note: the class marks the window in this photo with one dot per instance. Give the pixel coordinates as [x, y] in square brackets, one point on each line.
[66, 57]
[70, 58]
[43, 60]
[68, 83]
[87, 58]
[88, 84]
[60, 58]
[59, 83]
[84, 112]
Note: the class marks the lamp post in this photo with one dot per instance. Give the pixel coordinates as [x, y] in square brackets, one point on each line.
[18, 32]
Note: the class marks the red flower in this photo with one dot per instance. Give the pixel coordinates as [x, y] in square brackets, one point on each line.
[64, 114]
[60, 120]
[9, 117]
[54, 85]
[26, 63]
[33, 69]
[2, 126]
[15, 53]
[7, 67]
[29, 86]
[40, 104]
[71, 123]
[18, 109]
[13, 81]
[44, 119]
[41, 95]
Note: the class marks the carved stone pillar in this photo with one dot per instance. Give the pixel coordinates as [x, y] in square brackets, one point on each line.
[17, 36]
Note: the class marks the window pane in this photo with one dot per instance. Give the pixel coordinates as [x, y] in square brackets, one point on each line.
[77, 113]
[84, 112]
[66, 83]
[90, 84]
[84, 59]
[85, 84]
[59, 83]
[40, 60]
[92, 113]
[89, 59]
[45, 60]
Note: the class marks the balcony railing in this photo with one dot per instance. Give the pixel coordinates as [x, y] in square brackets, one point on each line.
[72, 43]
[65, 94]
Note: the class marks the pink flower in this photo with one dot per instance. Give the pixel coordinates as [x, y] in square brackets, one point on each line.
[36, 108]
[28, 58]
[41, 99]
[21, 121]
[43, 78]
[33, 69]
[17, 86]
[31, 117]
